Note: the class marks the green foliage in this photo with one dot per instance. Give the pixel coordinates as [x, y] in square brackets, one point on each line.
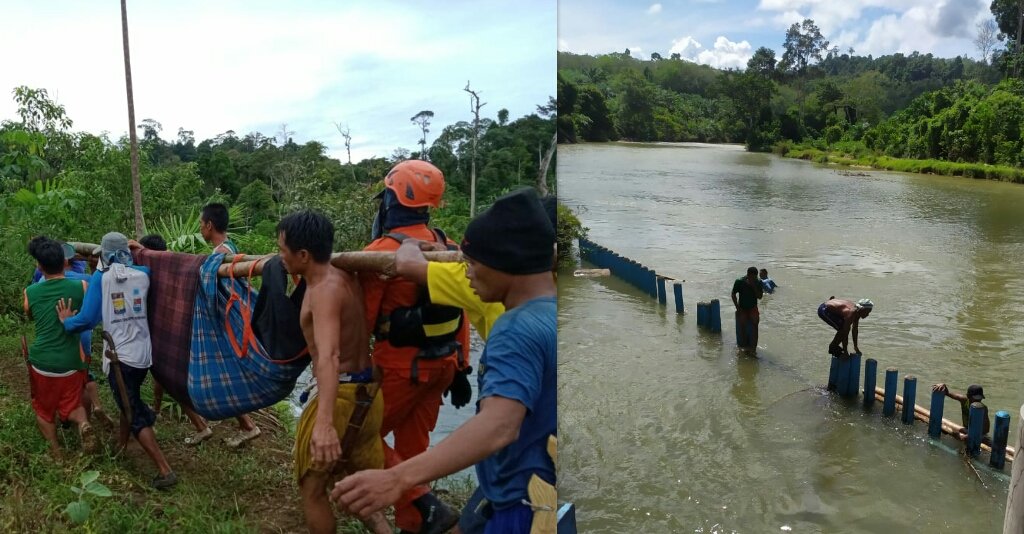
[569, 230]
[78, 511]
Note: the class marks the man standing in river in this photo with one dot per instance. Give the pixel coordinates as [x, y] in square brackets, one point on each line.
[748, 289]
[844, 316]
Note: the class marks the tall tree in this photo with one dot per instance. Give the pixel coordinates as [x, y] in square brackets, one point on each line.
[986, 39]
[804, 45]
[422, 119]
[346, 132]
[475, 105]
[133, 139]
[763, 62]
[285, 134]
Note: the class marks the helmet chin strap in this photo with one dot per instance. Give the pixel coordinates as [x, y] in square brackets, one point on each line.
[392, 214]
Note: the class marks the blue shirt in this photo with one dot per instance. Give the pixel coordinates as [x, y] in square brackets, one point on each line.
[769, 285]
[92, 307]
[519, 363]
[71, 274]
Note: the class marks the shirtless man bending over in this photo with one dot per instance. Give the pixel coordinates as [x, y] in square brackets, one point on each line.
[844, 315]
[346, 412]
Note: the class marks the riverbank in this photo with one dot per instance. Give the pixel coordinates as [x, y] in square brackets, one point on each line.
[219, 489]
[856, 155]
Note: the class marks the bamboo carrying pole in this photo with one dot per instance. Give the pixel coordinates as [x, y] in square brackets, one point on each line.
[382, 262]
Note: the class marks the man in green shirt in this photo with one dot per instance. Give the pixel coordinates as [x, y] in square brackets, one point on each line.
[748, 289]
[57, 364]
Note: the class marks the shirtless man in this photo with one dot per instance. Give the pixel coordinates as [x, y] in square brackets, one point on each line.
[334, 327]
[844, 316]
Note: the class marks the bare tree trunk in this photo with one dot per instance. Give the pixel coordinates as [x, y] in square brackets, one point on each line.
[474, 101]
[1017, 48]
[542, 174]
[133, 139]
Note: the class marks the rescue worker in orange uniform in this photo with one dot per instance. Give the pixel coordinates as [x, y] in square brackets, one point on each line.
[421, 348]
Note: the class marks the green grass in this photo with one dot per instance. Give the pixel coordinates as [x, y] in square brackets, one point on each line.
[863, 158]
[219, 489]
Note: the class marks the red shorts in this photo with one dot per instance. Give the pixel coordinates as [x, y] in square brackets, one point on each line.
[56, 394]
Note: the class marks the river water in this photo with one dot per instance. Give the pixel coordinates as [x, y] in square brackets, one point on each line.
[665, 428]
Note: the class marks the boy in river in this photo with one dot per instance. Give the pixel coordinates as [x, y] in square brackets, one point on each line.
[974, 395]
[339, 430]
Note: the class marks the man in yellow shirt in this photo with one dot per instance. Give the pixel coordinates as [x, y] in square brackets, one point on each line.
[447, 284]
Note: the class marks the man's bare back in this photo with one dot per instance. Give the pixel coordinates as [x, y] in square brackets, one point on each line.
[336, 301]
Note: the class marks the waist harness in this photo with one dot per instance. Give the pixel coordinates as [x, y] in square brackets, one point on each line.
[432, 328]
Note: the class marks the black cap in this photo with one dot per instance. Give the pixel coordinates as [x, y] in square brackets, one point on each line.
[514, 235]
[975, 392]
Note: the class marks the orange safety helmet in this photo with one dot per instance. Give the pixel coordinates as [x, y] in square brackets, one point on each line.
[416, 183]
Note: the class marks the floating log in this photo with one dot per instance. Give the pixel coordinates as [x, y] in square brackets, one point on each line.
[591, 273]
[382, 262]
[949, 427]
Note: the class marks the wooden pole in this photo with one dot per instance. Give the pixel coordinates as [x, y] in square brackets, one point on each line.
[382, 262]
[715, 312]
[974, 428]
[854, 385]
[948, 427]
[889, 404]
[132, 137]
[999, 435]
[935, 423]
[677, 291]
[662, 294]
[843, 377]
[909, 395]
[870, 377]
[1013, 520]
[833, 369]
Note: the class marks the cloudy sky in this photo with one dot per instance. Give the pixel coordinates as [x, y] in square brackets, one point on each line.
[254, 65]
[725, 33]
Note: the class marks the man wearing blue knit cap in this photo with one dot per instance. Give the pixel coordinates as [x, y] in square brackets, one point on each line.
[510, 249]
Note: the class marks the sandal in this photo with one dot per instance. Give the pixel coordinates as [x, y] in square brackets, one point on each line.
[88, 438]
[199, 437]
[162, 482]
[243, 437]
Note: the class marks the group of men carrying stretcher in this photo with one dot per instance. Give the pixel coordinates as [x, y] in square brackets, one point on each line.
[419, 323]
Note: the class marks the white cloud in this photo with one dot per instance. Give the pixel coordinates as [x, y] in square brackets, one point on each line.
[563, 46]
[685, 47]
[654, 9]
[788, 18]
[210, 67]
[726, 54]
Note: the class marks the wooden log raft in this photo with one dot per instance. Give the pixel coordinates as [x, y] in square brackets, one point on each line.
[382, 262]
[948, 427]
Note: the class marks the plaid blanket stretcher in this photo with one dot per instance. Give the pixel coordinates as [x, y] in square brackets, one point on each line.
[173, 280]
[220, 383]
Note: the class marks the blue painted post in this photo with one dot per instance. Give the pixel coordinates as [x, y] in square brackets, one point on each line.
[975, 425]
[909, 399]
[652, 283]
[843, 377]
[677, 290]
[999, 436]
[716, 316]
[870, 377]
[889, 401]
[662, 295]
[854, 385]
[833, 374]
[935, 416]
[566, 519]
[701, 314]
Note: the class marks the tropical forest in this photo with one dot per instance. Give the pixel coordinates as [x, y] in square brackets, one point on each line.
[906, 112]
